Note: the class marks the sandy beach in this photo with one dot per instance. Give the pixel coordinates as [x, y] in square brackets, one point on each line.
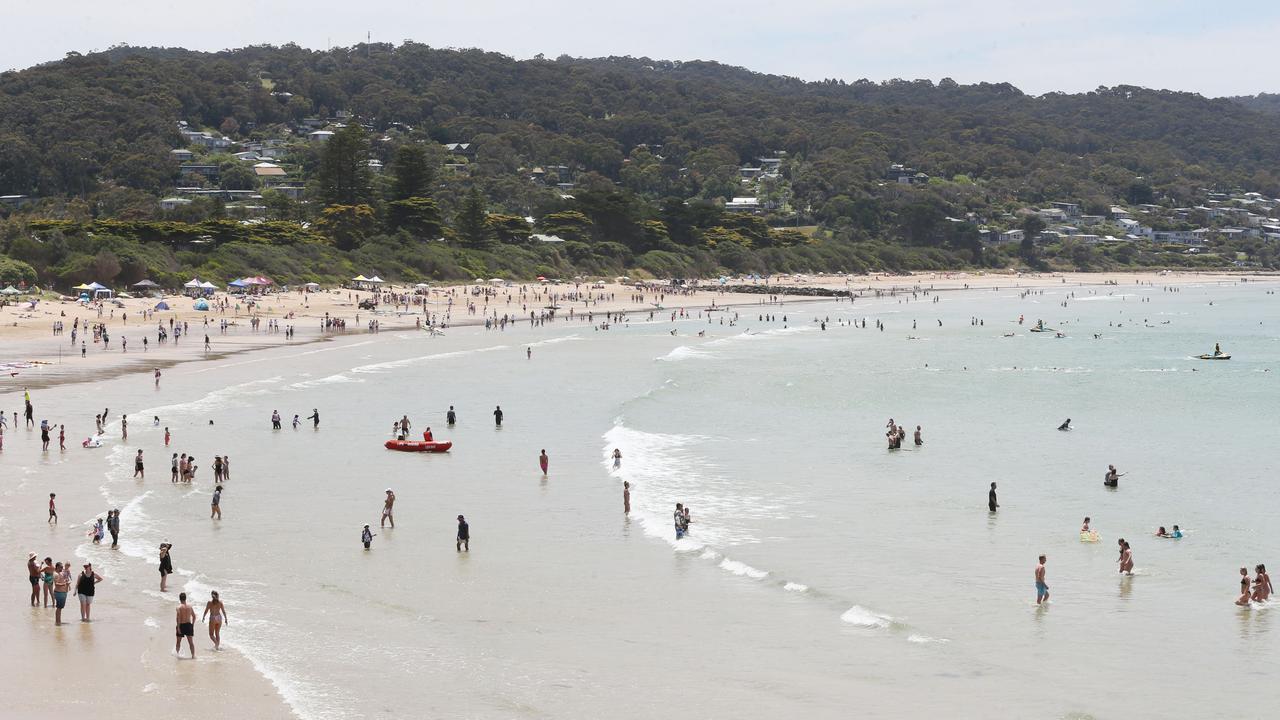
[34, 357]
[122, 664]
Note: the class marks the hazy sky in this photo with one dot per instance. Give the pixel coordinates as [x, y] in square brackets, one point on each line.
[1075, 45]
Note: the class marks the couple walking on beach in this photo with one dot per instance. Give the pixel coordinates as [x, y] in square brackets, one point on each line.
[185, 622]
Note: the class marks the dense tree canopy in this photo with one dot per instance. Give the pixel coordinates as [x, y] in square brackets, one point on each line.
[632, 162]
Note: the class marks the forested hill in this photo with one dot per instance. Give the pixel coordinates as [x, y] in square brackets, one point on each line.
[666, 167]
[111, 115]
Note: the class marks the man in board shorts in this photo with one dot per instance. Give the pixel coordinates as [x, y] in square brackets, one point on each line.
[186, 626]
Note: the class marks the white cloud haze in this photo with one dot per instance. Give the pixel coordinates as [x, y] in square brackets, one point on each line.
[1038, 46]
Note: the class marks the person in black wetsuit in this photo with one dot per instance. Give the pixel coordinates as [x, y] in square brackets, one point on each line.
[991, 499]
[451, 417]
[314, 417]
[1066, 425]
[497, 416]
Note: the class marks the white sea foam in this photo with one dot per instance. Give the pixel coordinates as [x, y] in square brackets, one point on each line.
[222, 398]
[554, 341]
[925, 639]
[862, 617]
[684, 352]
[406, 362]
[759, 335]
[320, 382]
[795, 587]
[742, 569]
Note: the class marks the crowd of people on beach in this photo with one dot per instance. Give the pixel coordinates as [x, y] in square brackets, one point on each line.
[51, 581]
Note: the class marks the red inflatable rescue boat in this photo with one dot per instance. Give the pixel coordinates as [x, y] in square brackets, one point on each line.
[418, 446]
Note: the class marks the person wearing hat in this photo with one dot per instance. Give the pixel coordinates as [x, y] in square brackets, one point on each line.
[464, 535]
[85, 589]
[366, 536]
[387, 505]
[33, 573]
[166, 564]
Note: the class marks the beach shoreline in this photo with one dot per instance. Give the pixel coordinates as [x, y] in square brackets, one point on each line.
[128, 624]
[34, 358]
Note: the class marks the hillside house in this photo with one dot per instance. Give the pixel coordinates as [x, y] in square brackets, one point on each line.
[181, 155]
[904, 175]
[749, 173]
[1051, 215]
[770, 165]
[320, 136]
[1068, 209]
[1179, 237]
[1119, 213]
[209, 171]
[743, 204]
[1006, 237]
[270, 174]
[173, 203]
[16, 201]
[466, 150]
[1090, 220]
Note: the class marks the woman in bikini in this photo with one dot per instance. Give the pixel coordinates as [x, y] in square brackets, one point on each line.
[216, 613]
[1243, 600]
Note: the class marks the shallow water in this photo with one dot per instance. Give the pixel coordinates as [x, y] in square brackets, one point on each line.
[823, 573]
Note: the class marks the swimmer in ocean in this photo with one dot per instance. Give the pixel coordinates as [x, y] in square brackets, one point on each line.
[1066, 425]
[451, 417]
[991, 498]
[1245, 597]
[1042, 589]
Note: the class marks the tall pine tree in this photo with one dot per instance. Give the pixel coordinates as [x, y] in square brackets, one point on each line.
[343, 177]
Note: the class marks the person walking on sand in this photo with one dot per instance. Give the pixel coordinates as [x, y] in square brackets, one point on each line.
[216, 613]
[185, 622]
[215, 504]
[543, 460]
[137, 466]
[366, 536]
[53, 509]
[85, 590]
[1042, 589]
[61, 586]
[626, 498]
[992, 504]
[166, 565]
[464, 535]
[387, 505]
[497, 415]
[314, 417]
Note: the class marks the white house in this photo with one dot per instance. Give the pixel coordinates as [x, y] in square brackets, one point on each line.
[320, 136]
[748, 204]
[172, 203]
